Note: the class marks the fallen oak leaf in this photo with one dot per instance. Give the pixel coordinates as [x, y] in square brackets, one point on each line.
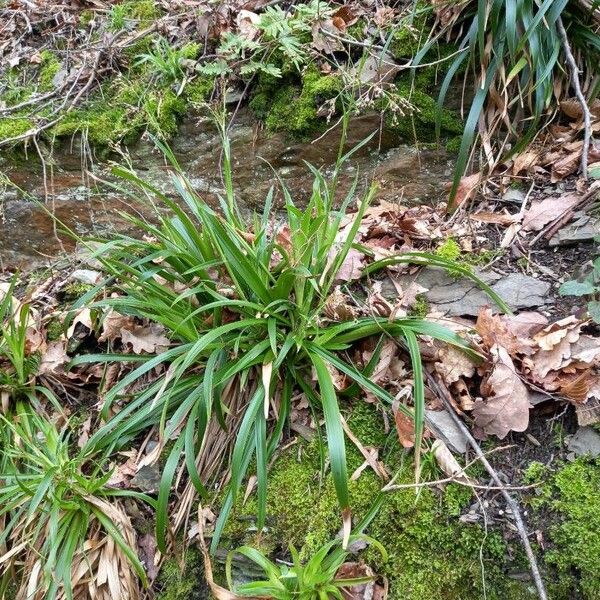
[146, 338]
[466, 189]
[506, 407]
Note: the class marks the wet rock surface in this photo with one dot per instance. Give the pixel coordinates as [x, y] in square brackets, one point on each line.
[81, 199]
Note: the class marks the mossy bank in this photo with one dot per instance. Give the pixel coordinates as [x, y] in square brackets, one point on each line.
[433, 554]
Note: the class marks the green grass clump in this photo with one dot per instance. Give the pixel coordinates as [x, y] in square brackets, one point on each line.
[260, 330]
[53, 497]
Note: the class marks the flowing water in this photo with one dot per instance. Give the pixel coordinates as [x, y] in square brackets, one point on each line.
[67, 183]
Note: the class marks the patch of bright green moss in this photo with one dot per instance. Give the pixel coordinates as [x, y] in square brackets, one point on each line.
[420, 307]
[14, 126]
[144, 11]
[175, 583]
[575, 537]
[449, 250]
[432, 555]
[122, 112]
[200, 89]
[49, 67]
[421, 124]
[286, 105]
[407, 36]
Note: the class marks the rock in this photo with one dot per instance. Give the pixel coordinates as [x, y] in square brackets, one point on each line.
[462, 297]
[441, 424]
[583, 229]
[513, 195]
[147, 479]
[86, 276]
[585, 442]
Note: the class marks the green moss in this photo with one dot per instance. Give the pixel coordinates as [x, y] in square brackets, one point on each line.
[162, 109]
[407, 36]
[421, 124]
[14, 126]
[75, 290]
[49, 67]
[175, 583]
[292, 106]
[142, 11]
[432, 555]
[449, 250]
[86, 17]
[54, 330]
[575, 538]
[420, 307]
[122, 111]
[200, 89]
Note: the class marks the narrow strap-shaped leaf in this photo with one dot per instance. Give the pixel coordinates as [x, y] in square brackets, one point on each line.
[335, 432]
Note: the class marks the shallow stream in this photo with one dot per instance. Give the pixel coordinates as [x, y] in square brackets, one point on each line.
[66, 183]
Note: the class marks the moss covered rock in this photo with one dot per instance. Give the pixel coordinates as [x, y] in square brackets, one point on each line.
[292, 104]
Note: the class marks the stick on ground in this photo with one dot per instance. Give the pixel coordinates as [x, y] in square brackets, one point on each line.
[587, 119]
[510, 501]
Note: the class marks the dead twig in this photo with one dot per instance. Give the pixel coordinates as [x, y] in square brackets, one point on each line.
[586, 199]
[510, 501]
[587, 119]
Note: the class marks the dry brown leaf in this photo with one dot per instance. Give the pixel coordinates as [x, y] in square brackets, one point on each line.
[54, 358]
[146, 338]
[405, 427]
[496, 330]
[337, 307]
[246, 23]
[506, 407]
[543, 212]
[453, 364]
[352, 266]
[495, 218]
[467, 188]
[371, 590]
[526, 324]
[447, 463]
[565, 166]
[525, 161]
[113, 324]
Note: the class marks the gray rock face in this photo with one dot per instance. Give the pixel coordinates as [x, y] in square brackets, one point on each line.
[444, 428]
[586, 442]
[462, 297]
[583, 229]
[147, 479]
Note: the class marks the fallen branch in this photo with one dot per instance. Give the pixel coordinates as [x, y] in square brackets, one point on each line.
[587, 118]
[510, 501]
